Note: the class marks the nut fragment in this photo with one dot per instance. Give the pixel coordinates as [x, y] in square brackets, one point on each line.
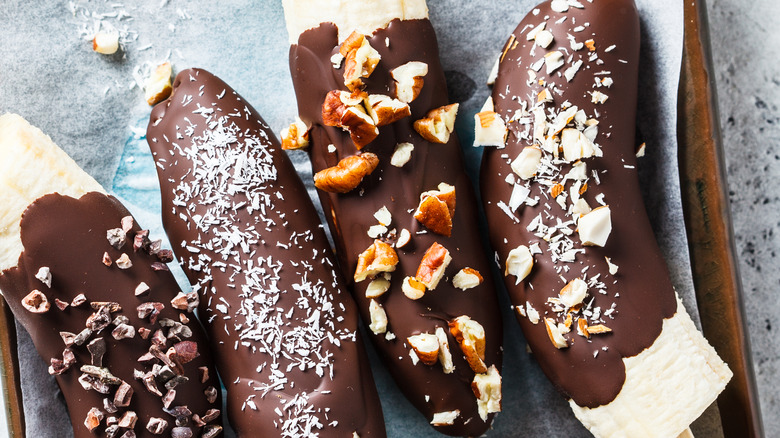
[141, 289]
[36, 302]
[402, 154]
[383, 216]
[467, 278]
[471, 336]
[438, 124]
[445, 357]
[123, 262]
[432, 266]
[158, 86]
[598, 329]
[489, 127]
[44, 275]
[487, 389]
[404, 237]
[409, 80]
[377, 287]
[554, 332]
[156, 426]
[519, 263]
[94, 418]
[594, 228]
[385, 110]
[445, 418]
[436, 209]
[413, 289]
[527, 163]
[361, 60]
[347, 175]
[577, 145]
[379, 257]
[378, 318]
[106, 42]
[295, 136]
[573, 293]
[426, 346]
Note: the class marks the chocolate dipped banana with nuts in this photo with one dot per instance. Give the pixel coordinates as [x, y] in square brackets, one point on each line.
[559, 183]
[95, 294]
[284, 329]
[374, 115]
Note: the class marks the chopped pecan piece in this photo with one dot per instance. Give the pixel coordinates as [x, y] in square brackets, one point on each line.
[471, 336]
[432, 266]
[361, 60]
[379, 257]
[347, 175]
[436, 209]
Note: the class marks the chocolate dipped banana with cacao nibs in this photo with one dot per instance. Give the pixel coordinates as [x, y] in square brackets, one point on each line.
[374, 113]
[284, 329]
[566, 218]
[96, 296]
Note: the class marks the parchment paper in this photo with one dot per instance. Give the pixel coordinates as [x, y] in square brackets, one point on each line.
[92, 107]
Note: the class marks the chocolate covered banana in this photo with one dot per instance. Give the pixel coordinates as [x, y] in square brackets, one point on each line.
[95, 294]
[374, 113]
[283, 328]
[566, 218]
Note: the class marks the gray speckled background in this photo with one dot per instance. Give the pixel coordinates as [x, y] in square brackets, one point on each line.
[83, 100]
[745, 53]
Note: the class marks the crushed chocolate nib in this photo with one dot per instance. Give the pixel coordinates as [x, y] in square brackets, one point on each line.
[123, 395]
[116, 237]
[97, 348]
[156, 425]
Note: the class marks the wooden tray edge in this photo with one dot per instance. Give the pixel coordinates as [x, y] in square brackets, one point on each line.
[708, 224]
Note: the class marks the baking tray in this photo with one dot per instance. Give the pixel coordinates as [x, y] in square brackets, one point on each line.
[708, 224]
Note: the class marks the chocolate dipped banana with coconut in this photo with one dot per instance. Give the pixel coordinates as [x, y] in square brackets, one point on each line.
[96, 296]
[587, 280]
[283, 328]
[374, 114]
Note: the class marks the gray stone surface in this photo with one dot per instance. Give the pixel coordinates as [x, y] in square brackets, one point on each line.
[745, 55]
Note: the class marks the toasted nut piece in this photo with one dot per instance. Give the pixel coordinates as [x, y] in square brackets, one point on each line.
[471, 336]
[487, 389]
[346, 111]
[436, 209]
[94, 418]
[295, 136]
[445, 418]
[438, 124]
[385, 110]
[519, 262]
[404, 237]
[409, 80]
[580, 207]
[402, 154]
[347, 174]
[591, 45]
[36, 302]
[445, 357]
[383, 216]
[379, 257]
[432, 266]
[553, 60]
[106, 42]
[378, 318]
[361, 60]
[489, 127]
[573, 293]
[158, 86]
[594, 227]
[377, 287]
[467, 278]
[640, 151]
[554, 332]
[413, 289]
[426, 346]
[598, 329]
[360, 126]
[576, 145]
[582, 327]
[556, 190]
[527, 163]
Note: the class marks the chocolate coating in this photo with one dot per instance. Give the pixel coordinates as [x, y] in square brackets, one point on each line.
[641, 290]
[283, 328]
[350, 215]
[69, 236]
